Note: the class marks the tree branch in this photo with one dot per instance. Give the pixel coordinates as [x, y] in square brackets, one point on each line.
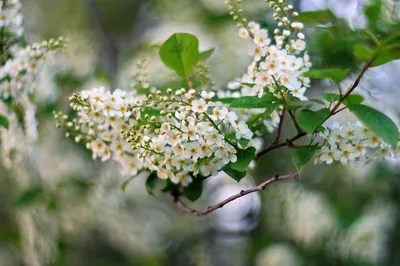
[279, 131]
[287, 143]
[181, 205]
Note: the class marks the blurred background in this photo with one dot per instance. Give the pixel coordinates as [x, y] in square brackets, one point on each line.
[71, 210]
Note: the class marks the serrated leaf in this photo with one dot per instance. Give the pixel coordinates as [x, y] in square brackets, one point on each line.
[237, 175]
[303, 155]
[351, 99]
[254, 101]
[181, 53]
[334, 74]
[244, 158]
[194, 190]
[309, 120]
[29, 196]
[377, 122]
[4, 122]
[206, 54]
[316, 17]
[151, 183]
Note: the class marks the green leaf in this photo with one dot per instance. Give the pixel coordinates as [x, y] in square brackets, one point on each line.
[303, 155]
[194, 190]
[126, 183]
[237, 175]
[386, 54]
[244, 157]
[4, 122]
[292, 107]
[181, 53]
[317, 101]
[377, 122]
[334, 74]
[363, 52]
[395, 38]
[309, 120]
[227, 100]
[151, 183]
[29, 196]
[316, 17]
[351, 99]
[254, 101]
[206, 54]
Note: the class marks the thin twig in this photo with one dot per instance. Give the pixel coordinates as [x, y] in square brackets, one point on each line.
[349, 91]
[287, 143]
[279, 130]
[181, 205]
[338, 111]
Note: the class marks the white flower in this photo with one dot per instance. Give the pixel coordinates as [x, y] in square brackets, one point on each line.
[345, 153]
[327, 154]
[299, 93]
[261, 38]
[220, 113]
[207, 95]
[243, 131]
[192, 150]
[199, 106]
[243, 33]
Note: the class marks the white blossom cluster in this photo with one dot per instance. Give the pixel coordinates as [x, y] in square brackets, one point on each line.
[353, 144]
[177, 136]
[102, 116]
[11, 18]
[18, 70]
[278, 65]
[18, 74]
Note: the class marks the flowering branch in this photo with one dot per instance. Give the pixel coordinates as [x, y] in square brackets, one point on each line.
[181, 205]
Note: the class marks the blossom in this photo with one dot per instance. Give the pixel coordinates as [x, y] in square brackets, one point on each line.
[199, 106]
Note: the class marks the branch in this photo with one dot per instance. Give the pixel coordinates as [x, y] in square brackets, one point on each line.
[181, 205]
[349, 91]
[287, 143]
[279, 131]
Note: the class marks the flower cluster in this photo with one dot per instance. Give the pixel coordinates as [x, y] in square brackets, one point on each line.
[18, 74]
[353, 144]
[278, 65]
[11, 18]
[102, 116]
[19, 67]
[175, 134]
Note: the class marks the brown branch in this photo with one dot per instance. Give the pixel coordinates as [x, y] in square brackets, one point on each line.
[296, 125]
[279, 131]
[181, 205]
[349, 91]
[287, 143]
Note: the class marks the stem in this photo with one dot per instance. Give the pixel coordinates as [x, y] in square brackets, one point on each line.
[287, 143]
[349, 91]
[279, 131]
[181, 205]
